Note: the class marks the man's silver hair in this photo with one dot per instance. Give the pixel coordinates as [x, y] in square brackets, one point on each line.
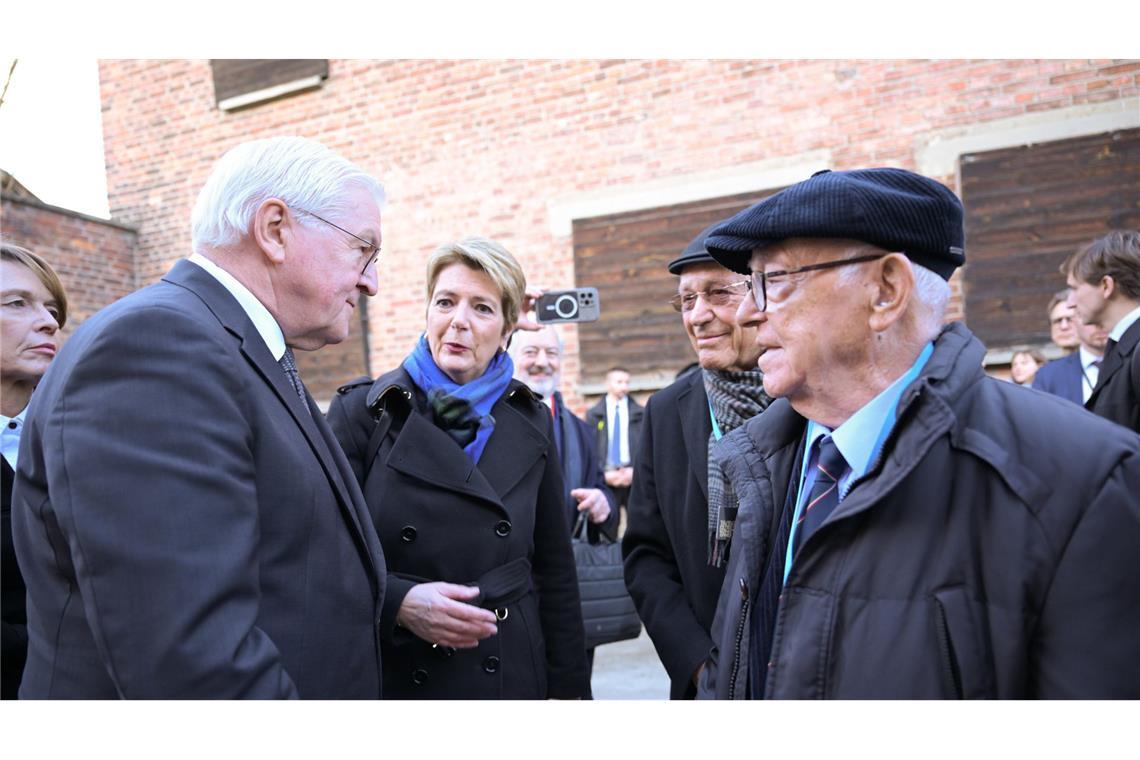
[301, 172]
[933, 293]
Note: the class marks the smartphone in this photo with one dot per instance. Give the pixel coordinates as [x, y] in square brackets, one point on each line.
[577, 305]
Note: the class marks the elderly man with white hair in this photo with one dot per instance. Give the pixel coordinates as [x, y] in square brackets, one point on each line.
[906, 527]
[186, 523]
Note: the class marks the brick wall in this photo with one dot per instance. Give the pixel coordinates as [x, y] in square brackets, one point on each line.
[481, 147]
[93, 258]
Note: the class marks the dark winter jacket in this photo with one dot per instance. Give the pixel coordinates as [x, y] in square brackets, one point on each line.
[500, 525]
[989, 551]
[581, 468]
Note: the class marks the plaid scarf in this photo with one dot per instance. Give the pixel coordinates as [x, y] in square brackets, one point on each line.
[735, 397]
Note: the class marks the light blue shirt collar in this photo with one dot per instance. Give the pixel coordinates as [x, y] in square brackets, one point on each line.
[10, 437]
[859, 439]
[266, 325]
[1118, 330]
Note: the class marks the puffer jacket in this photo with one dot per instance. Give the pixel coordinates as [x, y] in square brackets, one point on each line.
[991, 550]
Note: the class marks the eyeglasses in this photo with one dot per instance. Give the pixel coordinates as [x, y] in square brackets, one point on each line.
[719, 296]
[759, 282]
[371, 250]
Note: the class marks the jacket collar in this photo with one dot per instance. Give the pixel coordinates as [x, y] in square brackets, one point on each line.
[1114, 360]
[696, 427]
[512, 451]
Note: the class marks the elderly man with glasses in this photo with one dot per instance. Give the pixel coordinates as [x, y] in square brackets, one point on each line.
[187, 525]
[905, 527]
[673, 567]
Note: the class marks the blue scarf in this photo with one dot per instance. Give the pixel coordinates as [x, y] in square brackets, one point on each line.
[461, 411]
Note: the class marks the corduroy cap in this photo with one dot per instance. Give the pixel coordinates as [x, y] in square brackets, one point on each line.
[891, 208]
[695, 252]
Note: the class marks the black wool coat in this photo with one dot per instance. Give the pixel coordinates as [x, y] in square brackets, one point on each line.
[1117, 393]
[500, 525]
[666, 537]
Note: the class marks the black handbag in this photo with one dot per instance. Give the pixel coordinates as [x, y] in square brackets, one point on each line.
[607, 608]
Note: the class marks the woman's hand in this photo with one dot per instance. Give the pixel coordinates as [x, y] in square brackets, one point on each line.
[436, 613]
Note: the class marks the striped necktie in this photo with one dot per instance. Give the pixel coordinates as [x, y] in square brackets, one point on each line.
[830, 467]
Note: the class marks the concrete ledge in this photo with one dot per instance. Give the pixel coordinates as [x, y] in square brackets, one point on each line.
[937, 153]
[269, 93]
[684, 188]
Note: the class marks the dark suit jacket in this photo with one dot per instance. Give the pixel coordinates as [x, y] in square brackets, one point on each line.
[441, 517]
[666, 536]
[1117, 393]
[1062, 377]
[581, 468]
[596, 420]
[186, 527]
[15, 619]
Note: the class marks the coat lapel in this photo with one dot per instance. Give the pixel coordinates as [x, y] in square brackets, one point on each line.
[505, 464]
[230, 313]
[696, 428]
[446, 467]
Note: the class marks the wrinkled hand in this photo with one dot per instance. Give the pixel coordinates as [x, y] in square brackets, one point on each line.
[593, 502]
[436, 613]
[532, 295]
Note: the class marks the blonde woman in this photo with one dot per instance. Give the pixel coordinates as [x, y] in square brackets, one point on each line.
[464, 485]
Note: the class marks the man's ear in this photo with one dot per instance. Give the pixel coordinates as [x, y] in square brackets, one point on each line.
[1107, 287]
[893, 287]
[272, 229]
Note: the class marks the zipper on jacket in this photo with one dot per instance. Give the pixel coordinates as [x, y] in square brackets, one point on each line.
[744, 600]
[949, 665]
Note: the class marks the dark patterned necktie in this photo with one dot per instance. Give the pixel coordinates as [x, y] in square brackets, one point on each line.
[830, 467]
[289, 363]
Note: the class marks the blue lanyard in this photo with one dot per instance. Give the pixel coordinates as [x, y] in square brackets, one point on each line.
[716, 427]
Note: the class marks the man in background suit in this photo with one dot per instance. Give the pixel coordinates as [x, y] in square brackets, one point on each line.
[186, 523]
[1074, 376]
[537, 355]
[1104, 283]
[669, 568]
[616, 418]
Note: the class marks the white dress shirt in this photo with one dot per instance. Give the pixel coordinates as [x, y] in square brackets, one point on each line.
[264, 322]
[1090, 370]
[10, 436]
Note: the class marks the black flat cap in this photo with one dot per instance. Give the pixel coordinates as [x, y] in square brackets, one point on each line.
[695, 252]
[891, 208]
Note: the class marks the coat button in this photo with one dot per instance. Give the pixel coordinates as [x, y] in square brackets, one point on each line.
[419, 675]
[502, 529]
[491, 664]
[408, 534]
